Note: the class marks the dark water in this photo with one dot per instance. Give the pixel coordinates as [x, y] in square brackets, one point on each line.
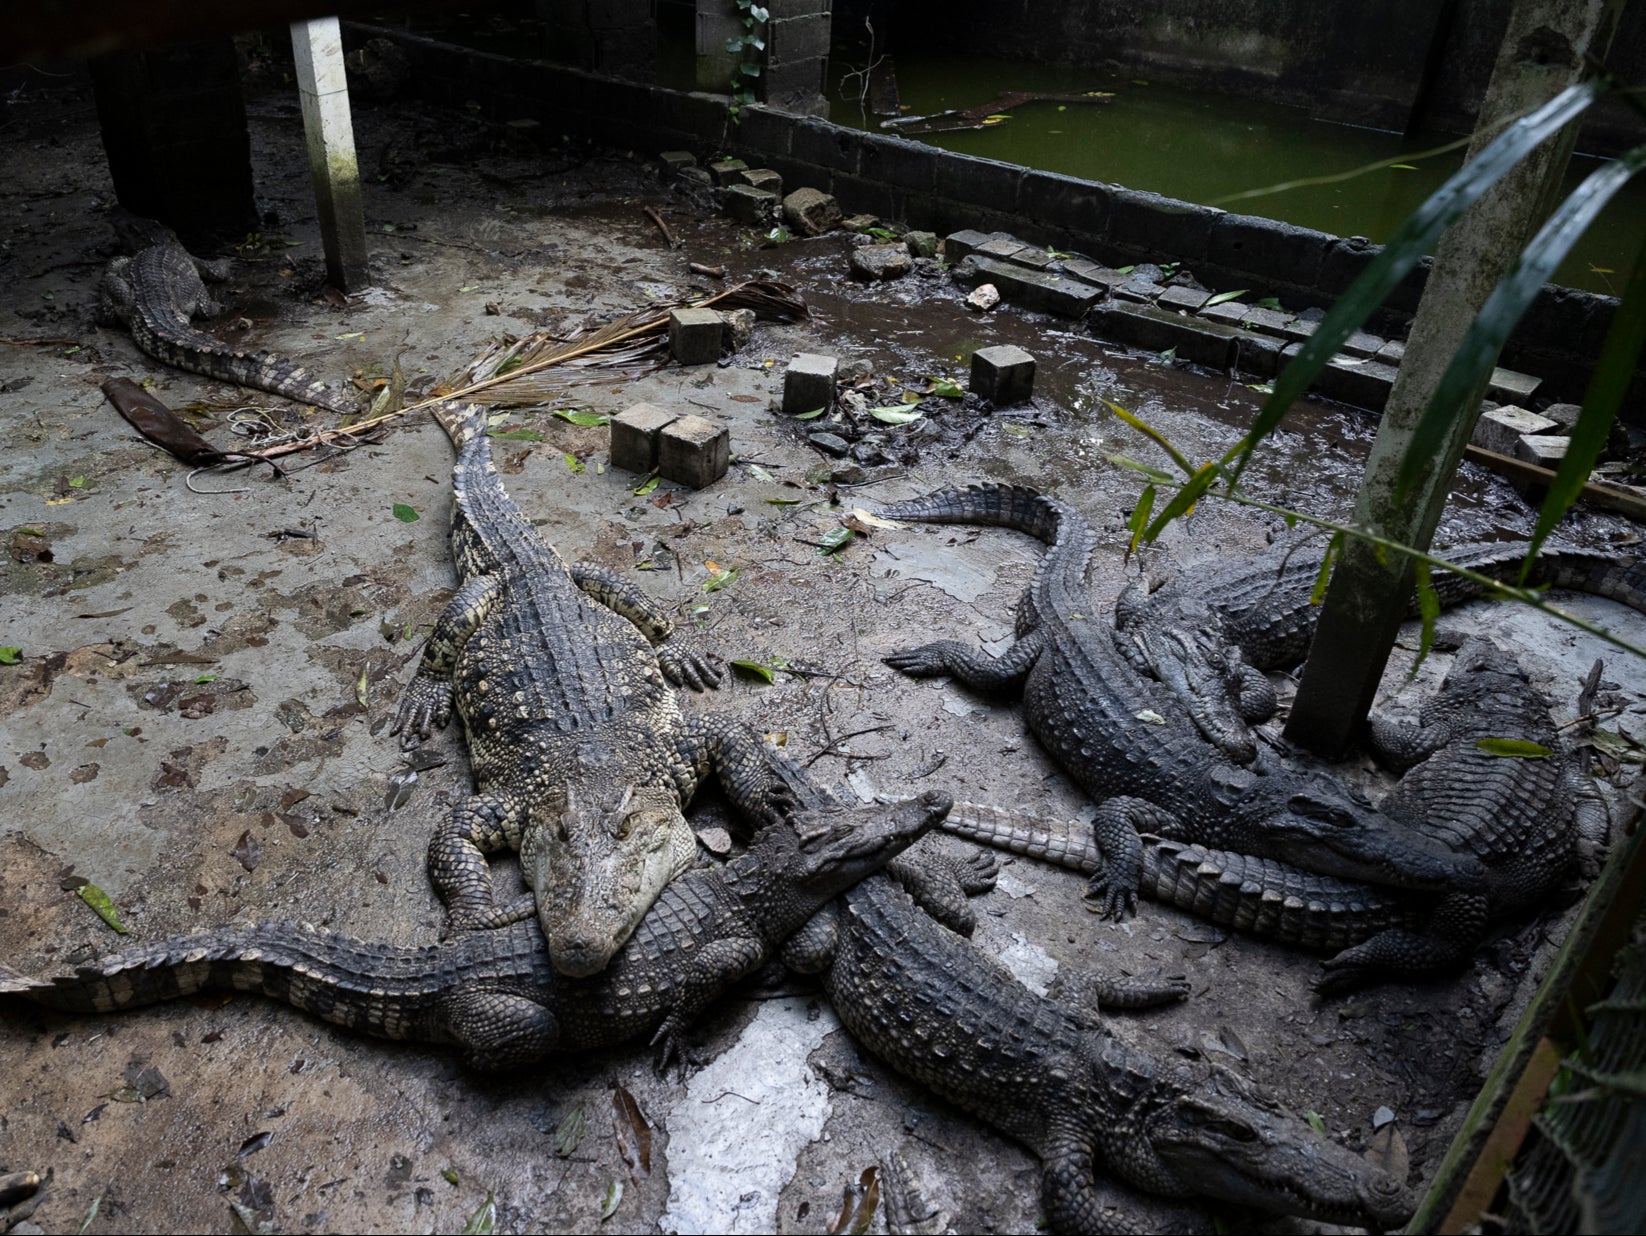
[1209, 148]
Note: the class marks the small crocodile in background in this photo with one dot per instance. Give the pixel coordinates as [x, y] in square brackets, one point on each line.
[581, 756]
[1532, 821]
[932, 1006]
[156, 292]
[494, 993]
[1132, 744]
[1210, 631]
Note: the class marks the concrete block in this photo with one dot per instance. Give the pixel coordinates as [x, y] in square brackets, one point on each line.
[675, 160]
[1393, 352]
[1137, 289]
[877, 262]
[1002, 248]
[1563, 414]
[1363, 383]
[1282, 252]
[808, 383]
[694, 451]
[811, 212]
[1149, 223]
[760, 178]
[726, 171]
[1544, 449]
[825, 145]
[1003, 374]
[1189, 300]
[1034, 259]
[984, 183]
[1257, 355]
[1360, 343]
[1229, 312]
[749, 205]
[1064, 201]
[1157, 330]
[1032, 289]
[900, 162]
[694, 336]
[634, 436]
[1299, 329]
[1095, 273]
[956, 245]
[1265, 321]
[1500, 429]
[1507, 386]
[797, 38]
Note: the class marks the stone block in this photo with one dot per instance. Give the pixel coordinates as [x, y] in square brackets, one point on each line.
[826, 145]
[1137, 289]
[1034, 259]
[899, 162]
[1064, 201]
[1563, 414]
[1032, 289]
[1095, 273]
[1001, 248]
[921, 244]
[675, 160]
[1393, 352]
[808, 383]
[1507, 386]
[1278, 251]
[749, 205]
[956, 245]
[859, 223]
[1229, 312]
[761, 178]
[1158, 330]
[726, 171]
[1189, 300]
[1360, 343]
[1500, 429]
[1258, 355]
[1544, 449]
[1299, 329]
[1003, 374]
[1363, 383]
[789, 39]
[634, 436]
[984, 183]
[877, 262]
[694, 451]
[811, 212]
[695, 335]
[1149, 223]
[830, 443]
[1265, 321]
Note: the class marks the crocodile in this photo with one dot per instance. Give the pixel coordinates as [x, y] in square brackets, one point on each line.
[1209, 632]
[157, 289]
[1131, 743]
[1531, 820]
[495, 994]
[933, 1007]
[582, 758]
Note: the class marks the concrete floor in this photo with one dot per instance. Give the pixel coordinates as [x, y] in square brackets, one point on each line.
[188, 729]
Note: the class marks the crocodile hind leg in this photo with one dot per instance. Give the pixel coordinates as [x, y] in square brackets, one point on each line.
[978, 670]
[480, 825]
[1068, 1187]
[1451, 934]
[499, 1029]
[685, 667]
[1115, 828]
[428, 697]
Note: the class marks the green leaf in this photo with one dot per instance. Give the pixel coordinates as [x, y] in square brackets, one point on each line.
[612, 1199]
[1268, 302]
[1317, 594]
[1317, 1122]
[406, 514]
[1262, 388]
[734, 46]
[1224, 296]
[204, 678]
[759, 12]
[1428, 609]
[1168, 356]
[810, 416]
[1153, 434]
[570, 1131]
[99, 901]
[834, 540]
[785, 501]
[1514, 748]
[1140, 517]
[515, 435]
[1403, 167]
[760, 474]
[1184, 499]
[483, 1222]
[946, 388]
[9, 654]
[646, 486]
[575, 464]
[760, 669]
[1415, 237]
[580, 416]
[1124, 270]
[720, 579]
[895, 415]
[1148, 470]
[449, 1175]
[77, 482]
[749, 70]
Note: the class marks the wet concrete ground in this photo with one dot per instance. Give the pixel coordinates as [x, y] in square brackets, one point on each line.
[196, 724]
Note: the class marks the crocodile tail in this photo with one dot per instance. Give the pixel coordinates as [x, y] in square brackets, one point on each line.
[1021, 832]
[200, 353]
[376, 989]
[463, 422]
[1005, 506]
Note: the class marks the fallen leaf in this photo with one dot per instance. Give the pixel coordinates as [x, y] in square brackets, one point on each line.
[1317, 1122]
[857, 1204]
[569, 1132]
[720, 579]
[579, 416]
[99, 901]
[483, 1222]
[362, 685]
[874, 521]
[9, 655]
[405, 514]
[895, 415]
[634, 1135]
[575, 464]
[247, 852]
[1151, 716]
[1514, 748]
[646, 486]
[612, 1199]
[760, 474]
[834, 540]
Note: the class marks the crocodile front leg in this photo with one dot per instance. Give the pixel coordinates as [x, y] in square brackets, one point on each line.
[499, 1029]
[480, 825]
[1115, 828]
[713, 969]
[1068, 1187]
[428, 697]
[976, 669]
[1450, 936]
[742, 762]
[686, 667]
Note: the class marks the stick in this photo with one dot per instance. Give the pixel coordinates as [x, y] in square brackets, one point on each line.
[663, 227]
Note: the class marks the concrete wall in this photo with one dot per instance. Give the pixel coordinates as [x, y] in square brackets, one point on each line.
[936, 189]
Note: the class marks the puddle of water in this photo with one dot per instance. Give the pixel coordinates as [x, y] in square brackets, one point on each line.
[1204, 148]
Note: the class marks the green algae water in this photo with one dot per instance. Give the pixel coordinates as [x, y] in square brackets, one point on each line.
[1208, 149]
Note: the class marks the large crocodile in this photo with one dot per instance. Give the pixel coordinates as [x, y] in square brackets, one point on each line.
[494, 993]
[1132, 744]
[582, 759]
[1530, 819]
[157, 290]
[934, 1007]
[1210, 631]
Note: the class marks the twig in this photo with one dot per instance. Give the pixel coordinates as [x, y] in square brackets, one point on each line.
[651, 213]
[712, 272]
[833, 747]
[38, 343]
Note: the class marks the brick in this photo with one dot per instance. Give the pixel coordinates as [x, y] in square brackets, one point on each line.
[986, 183]
[1032, 289]
[1150, 223]
[1363, 383]
[824, 145]
[725, 171]
[674, 160]
[811, 212]
[1507, 386]
[900, 162]
[1393, 352]
[1001, 247]
[1229, 312]
[761, 178]
[1299, 329]
[1258, 355]
[1064, 201]
[1095, 273]
[1034, 259]
[764, 130]
[1003, 374]
[1137, 289]
[694, 451]
[1546, 449]
[749, 205]
[808, 383]
[1279, 252]
[796, 38]
[634, 436]
[1158, 330]
[1186, 299]
[1500, 429]
[695, 335]
[1360, 343]
[956, 245]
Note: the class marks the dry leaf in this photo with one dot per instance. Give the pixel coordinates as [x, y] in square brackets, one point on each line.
[634, 1135]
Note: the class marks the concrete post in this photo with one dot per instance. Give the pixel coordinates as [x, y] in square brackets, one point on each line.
[318, 49]
[1542, 53]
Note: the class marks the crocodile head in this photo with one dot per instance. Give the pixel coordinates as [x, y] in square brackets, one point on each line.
[819, 853]
[1220, 1137]
[1313, 822]
[597, 867]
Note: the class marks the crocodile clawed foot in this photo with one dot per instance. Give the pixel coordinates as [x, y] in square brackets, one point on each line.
[676, 1056]
[1110, 900]
[1341, 977]
[426, 704]
[978, 872]
[688, 668]
[923, 662]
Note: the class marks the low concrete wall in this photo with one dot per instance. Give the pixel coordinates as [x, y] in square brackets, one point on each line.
[944, 192]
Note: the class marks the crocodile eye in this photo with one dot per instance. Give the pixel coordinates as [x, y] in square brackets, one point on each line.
[1234, 1132]
[625, 826]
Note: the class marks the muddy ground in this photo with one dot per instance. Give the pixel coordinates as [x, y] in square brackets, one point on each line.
[197, 721]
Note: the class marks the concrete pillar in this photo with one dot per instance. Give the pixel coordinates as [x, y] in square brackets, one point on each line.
[317, 47]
